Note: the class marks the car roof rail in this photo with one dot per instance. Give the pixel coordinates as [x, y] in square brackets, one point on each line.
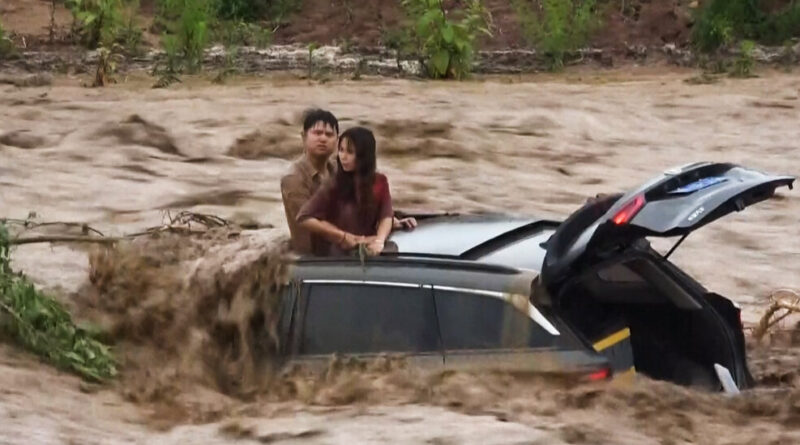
[448, 261]
[423, 215]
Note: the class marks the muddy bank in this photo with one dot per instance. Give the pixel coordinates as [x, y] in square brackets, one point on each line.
[384, 62]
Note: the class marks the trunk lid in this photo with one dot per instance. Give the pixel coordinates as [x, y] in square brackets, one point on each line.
[675, 203]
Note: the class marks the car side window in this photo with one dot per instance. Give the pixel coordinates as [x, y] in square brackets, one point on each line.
[477, 321]
[354, 318]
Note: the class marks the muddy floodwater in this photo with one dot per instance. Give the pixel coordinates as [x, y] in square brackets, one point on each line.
[120, 158]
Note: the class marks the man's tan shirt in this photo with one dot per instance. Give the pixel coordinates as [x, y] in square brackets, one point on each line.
[297, 187]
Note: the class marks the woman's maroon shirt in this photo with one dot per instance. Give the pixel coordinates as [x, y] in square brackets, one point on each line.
[327, 205]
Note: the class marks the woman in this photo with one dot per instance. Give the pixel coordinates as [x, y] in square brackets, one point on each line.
[355, 207]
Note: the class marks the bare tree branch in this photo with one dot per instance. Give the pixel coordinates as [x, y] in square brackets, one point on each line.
[64, 239]
[783, 300]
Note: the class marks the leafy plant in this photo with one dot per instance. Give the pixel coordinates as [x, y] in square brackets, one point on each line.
[42, 325]
[7, 48]
[229, 67]
[561, 26]
[722, 22]
[311, 48]
[188, 22]
[168, 69]
[241, 33]
[528, 21]
[401, 41]
[445, 45]
[96, 21]
[107, 60]
[129, 34]
[743, 65]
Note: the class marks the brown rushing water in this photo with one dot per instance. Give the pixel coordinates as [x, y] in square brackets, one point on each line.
[117, 158]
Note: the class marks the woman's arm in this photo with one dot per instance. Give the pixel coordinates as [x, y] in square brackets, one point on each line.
[375, 246]
[312, 217]
[385, 215]
[330, 232]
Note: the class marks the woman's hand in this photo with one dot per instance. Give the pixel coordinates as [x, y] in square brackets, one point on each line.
[350, 241]
[406, 223]
[375, 246]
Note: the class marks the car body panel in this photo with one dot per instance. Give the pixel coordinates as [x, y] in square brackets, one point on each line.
[561, 349]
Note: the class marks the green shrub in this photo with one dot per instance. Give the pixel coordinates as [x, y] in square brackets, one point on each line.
[528, 21]
[7, 48]
[187, 25]
[720, 23]
[106, 22]
[240, 33]
[559, 27]
[445, 45]
[781, 26]
[129, 34]
[96, 21]
[743, 66]
[168, 69]
[42, 325]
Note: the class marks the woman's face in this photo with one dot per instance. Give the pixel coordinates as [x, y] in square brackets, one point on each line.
[347, 155]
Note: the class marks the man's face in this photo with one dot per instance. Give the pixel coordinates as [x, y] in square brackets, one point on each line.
[320, 140]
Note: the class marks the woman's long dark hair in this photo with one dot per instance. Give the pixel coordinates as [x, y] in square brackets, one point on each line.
[356, 186]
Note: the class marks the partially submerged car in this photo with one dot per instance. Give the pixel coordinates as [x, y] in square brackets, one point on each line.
[587, 296]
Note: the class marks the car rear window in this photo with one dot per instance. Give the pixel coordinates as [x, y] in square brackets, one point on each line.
[354, 318]
[476, 321]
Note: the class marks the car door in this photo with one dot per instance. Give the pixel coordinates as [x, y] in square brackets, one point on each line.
[365, 319]
[482, 329]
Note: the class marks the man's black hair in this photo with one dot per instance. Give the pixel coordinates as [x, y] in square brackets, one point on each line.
[318, 115]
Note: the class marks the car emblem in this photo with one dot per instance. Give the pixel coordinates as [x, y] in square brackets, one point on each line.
[696, 213]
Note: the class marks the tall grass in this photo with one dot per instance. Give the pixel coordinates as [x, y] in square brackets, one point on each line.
[188, 24]
[557, 27]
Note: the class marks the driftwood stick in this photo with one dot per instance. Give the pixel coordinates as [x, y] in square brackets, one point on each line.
[64, 239]
[779, 303]
[29, 225]
[180, 224]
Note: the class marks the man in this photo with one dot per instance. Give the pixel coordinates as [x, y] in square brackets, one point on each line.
[320, 135]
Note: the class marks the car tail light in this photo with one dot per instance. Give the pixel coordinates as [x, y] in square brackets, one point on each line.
[629, 210]
[598, 375]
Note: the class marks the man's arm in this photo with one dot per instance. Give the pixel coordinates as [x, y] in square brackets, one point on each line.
[294, 195]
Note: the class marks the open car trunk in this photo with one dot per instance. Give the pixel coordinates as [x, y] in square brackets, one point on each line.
[675, 331]
[603, 276]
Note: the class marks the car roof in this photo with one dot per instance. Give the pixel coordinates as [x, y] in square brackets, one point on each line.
[467, 235]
